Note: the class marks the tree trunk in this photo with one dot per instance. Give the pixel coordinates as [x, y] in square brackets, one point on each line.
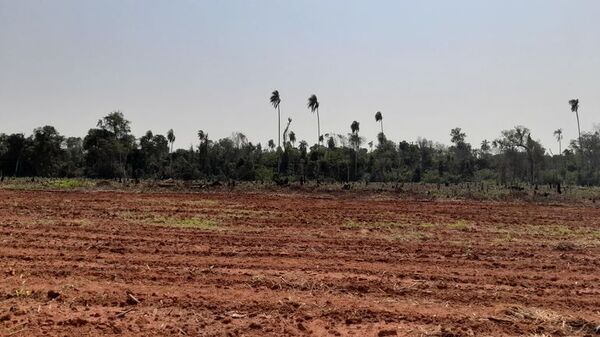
[559, 148]
[278, 126]
[580, 146]
[531, 166]
[17, 165]
[171, 162]
[355, 164]
[318, 128]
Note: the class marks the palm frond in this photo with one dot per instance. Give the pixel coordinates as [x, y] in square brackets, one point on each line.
[574, 105]
[313, 103]
[275, 99]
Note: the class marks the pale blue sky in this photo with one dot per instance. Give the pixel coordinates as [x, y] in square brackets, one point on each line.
[428, 66]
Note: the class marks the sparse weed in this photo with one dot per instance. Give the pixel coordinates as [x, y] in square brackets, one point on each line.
[195, 222]
[460, 225]
[22, 293]
[352, 224]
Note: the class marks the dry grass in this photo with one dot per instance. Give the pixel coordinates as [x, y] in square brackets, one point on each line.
[549, 320]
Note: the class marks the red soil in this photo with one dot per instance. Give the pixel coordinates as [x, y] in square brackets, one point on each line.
[107, 263]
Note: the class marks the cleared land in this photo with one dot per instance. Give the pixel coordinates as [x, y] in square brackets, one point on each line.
[294, 264]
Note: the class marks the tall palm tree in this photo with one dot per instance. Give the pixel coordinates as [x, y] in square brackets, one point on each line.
[313, 105]
[355, 141]
[276, 101]
[558, 133]
[171, 139]
[379, 118]
[575, 108]
[203, 149]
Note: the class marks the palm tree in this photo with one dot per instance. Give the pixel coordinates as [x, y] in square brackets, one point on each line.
[575, 108]
[271, 144]
[355, 140]
[276, 101]
[171, 139]
[558, 133]
[203, 148]
[313, 105]
[293, 138]
[379, 118]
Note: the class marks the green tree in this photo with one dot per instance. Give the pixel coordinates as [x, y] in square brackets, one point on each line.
[47, 154]
[119, 129]
[520, 138]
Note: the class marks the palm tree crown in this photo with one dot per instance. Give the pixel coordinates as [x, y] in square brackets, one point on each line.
[275, 99]
[313, 103]
[558, 134]
[379, 118]
[355, 127]
[171, 136]
[574, 105]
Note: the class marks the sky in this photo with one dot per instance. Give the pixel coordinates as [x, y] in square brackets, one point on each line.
[428, 66]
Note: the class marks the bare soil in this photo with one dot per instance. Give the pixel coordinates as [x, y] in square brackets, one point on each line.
[294, 264]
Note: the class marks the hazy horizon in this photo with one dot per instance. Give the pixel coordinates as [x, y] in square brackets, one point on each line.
[212, 65]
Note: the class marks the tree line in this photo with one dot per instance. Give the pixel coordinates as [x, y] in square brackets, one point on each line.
[111, 151]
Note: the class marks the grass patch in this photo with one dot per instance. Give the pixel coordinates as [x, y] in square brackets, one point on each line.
[66, 184]
[411, 236]
[460, 225]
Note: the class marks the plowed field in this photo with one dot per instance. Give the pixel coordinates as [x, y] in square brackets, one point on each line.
[293, 264]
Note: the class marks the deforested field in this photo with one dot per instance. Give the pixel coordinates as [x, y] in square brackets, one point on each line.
[294, 264]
